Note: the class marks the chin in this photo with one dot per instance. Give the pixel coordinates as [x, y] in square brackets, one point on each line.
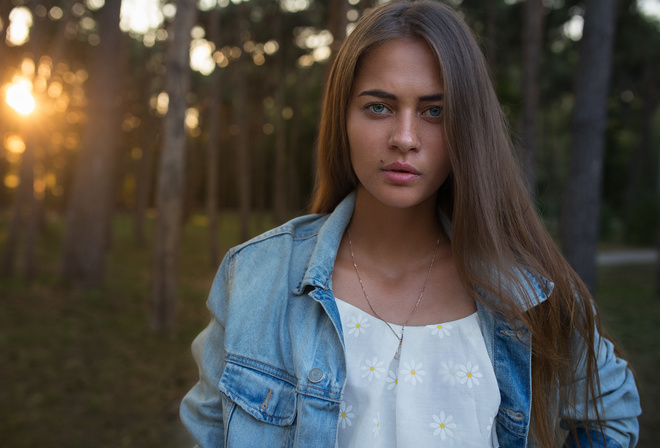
[399, 197]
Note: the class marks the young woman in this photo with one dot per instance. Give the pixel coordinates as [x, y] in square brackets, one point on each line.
[424, 304]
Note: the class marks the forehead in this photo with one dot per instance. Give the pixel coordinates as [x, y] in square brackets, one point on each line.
[405, 63]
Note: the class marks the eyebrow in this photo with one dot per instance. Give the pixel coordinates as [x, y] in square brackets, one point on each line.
[389, 96]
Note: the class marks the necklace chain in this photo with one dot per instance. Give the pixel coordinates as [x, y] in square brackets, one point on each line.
[419, 299]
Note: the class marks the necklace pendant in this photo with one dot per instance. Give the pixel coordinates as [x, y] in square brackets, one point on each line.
[397, 355]
[364, 292]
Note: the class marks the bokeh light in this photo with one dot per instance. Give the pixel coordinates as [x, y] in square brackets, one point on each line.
[162, 103]
[650, 8]
[20, 21]
[19, 96]
[192, 118]
[95, 4]
[11, 181]
[14, 144]
[318, 41]
[55, 13]
[141, 16]
[294, 5]
[206, 5]
[201, 56]
[573, 28]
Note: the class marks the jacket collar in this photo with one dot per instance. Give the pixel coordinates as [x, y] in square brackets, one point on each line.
[322, 261]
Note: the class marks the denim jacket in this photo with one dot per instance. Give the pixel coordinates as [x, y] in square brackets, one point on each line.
[272, 366]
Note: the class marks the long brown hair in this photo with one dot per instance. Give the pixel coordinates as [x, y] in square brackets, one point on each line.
[495, 228]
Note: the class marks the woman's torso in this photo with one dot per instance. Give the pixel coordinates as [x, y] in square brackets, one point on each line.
[438, 386]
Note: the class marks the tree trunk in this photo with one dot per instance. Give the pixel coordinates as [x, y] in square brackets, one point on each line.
[259, 157]
[194, 177]
[26, 209]
[641, 159]
[34, 142]
[5, 9]
[582, 197]
[651, 102]
[89, 213]
[144, 180]
[491, 35]
[60, 46]
[243, 168]
[531, 47]
[338, 22]
[279, 174]
[171, 182]
[301, 95]
[148, 139]
[212, 146]
[23, 211]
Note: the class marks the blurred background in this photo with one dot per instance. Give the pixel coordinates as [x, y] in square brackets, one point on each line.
[140, 139]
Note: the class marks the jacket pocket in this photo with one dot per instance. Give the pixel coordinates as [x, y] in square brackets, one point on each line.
[265, 397]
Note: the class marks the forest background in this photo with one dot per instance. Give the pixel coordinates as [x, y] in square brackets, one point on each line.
[140, 139]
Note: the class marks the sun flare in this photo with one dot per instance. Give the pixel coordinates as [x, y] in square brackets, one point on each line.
[19, 96]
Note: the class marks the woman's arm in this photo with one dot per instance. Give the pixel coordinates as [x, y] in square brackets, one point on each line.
[201, 408]
[618, 403]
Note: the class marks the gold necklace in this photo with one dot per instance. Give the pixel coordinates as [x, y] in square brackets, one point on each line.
[419, 299]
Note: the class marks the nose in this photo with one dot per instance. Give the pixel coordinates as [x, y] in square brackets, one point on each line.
[404, 134]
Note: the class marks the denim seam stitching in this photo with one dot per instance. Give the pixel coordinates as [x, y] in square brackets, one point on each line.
[260, 367]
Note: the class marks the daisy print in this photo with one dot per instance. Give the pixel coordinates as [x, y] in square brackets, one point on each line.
[345, 415]
[392, 380]
[443, 426]
[413, 372]
[372, 368]
[468, 374]
[489, 428]
[441, 330]
[376, 428]
[448, 372]
[357, 324]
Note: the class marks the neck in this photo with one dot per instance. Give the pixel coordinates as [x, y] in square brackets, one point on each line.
[383, 231]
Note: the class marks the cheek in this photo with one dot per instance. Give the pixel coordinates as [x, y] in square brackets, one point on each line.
[352, 130]
[356, 139]
[361, 148]
[364, 136]
[359, 152]
[439, 146]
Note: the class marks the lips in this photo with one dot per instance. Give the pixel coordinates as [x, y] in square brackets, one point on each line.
[400, 173]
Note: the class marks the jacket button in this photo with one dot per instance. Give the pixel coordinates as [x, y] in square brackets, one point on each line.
[315, 375]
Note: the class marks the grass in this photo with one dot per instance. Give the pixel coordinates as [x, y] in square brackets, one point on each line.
[81, 368]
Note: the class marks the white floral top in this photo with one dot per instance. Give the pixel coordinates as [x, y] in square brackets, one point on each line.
[441, 391]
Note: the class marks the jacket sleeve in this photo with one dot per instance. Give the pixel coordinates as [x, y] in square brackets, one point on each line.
[201, 409]
[618, 404]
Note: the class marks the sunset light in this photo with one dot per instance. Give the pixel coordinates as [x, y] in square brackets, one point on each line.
[20, 21]
[15, 144]
[19, 96]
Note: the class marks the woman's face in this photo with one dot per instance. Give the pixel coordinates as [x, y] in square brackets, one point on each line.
[395, 124]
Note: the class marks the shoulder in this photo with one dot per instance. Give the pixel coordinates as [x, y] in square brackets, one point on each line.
[268, 259]
[280, 240]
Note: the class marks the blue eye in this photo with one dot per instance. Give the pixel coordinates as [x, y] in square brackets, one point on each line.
[434, 111]
[377, 108]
